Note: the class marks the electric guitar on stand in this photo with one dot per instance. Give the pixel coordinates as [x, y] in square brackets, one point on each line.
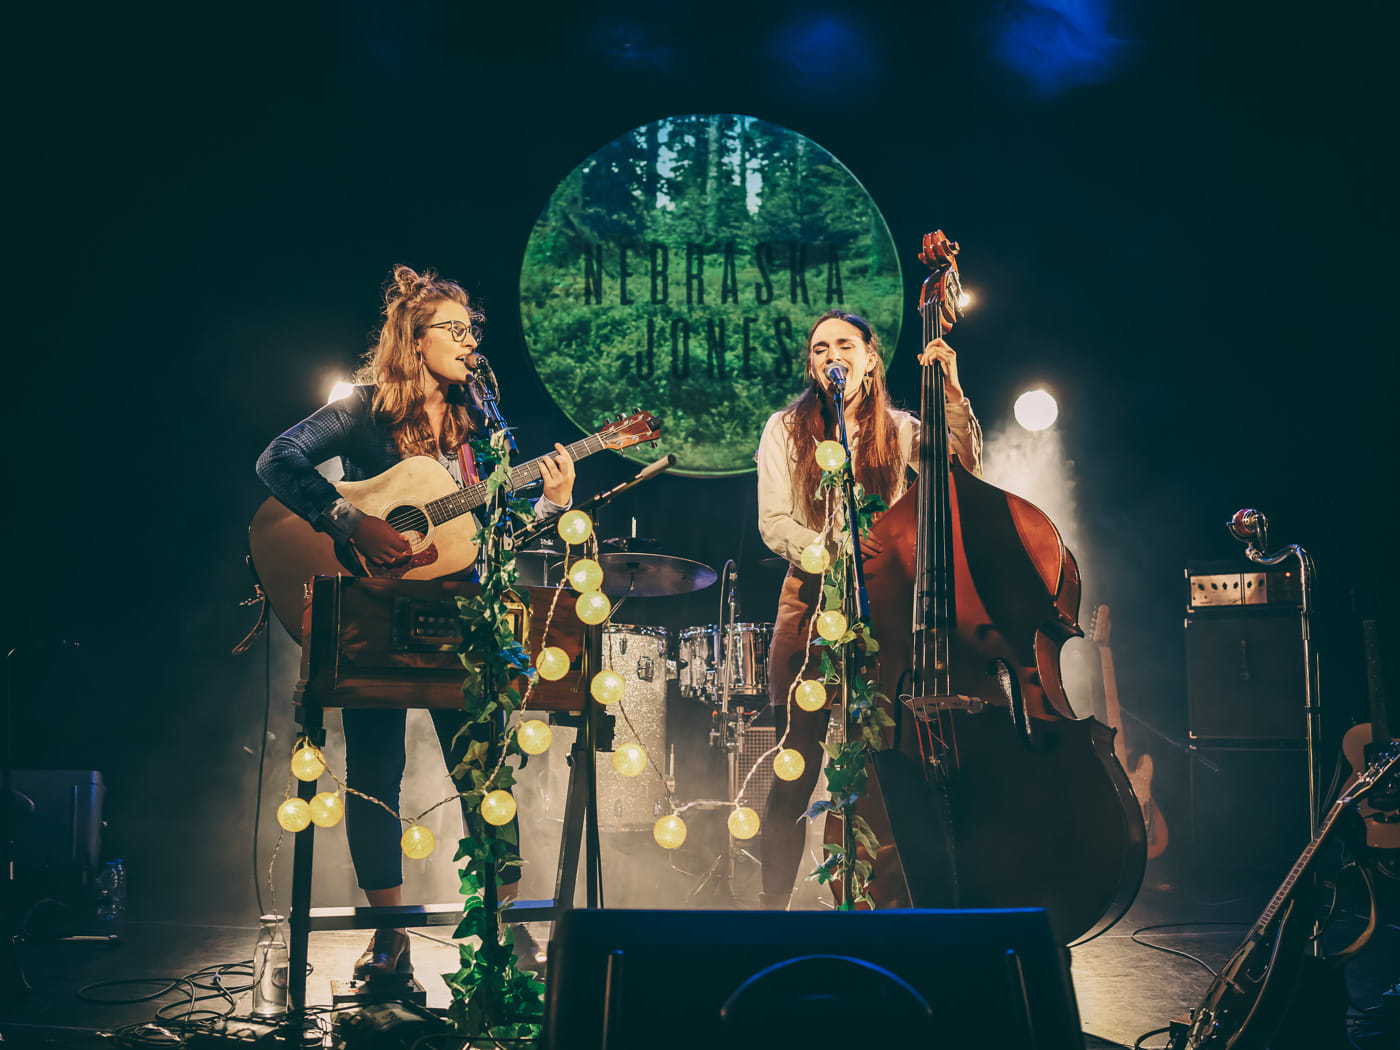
[421, 500]
[1140, 772]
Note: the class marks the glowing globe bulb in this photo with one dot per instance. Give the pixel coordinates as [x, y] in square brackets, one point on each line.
[585, 575]
[1036, 410]
[307, 763]
[788, 764]
[669, 832]
[294, 814]
[816, 559]
[831, 624]
[743, 823]
[552, 663]
[417, 842]
[534, 737]
[326, 809]
[607, 687]
[592, 607]
[810, 695]
[498, 807]
[830, 455]
[575, 526]
[630, 760]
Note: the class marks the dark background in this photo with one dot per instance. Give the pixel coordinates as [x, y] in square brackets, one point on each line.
[1190, 240]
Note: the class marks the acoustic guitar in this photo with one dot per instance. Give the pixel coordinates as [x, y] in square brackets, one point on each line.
[421, 500]
[1382, 828]
[1258, 999]
[1140, 772]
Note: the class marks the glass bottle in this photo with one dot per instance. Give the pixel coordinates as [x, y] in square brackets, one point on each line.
[270, 969]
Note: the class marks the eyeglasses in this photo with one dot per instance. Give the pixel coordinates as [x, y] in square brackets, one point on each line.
[459, 330]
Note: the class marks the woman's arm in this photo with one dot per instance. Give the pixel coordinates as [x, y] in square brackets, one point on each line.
[781, 522]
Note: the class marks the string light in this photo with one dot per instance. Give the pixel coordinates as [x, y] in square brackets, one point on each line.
[592, 607]
[830, 455]
[585, 575]
[788, 764]
[552, 663]
[574, 527]
[816, 559]
[327, 809]
[831, 624]
[498, 808]
[810, 695]
[669, 832]
[630, 760]
[294, 814]
[743, 823]
[607, 687]
[534, 737]
[417, 842]
[307, 762]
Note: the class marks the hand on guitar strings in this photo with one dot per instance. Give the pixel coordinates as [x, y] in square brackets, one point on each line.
[558, 475]
[379, 543]
[939, 350]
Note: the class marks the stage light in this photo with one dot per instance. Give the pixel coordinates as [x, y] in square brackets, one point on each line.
[326, 809]
[534, 737]
[294, 814]
[816, 559]
[307, 763]
[498, 807]
[340, 390]
[743, 823]
[1036, 410]
[669, 832]
[574, 527]
[831, 624]
[417, 842]
[552, 663]
[811, 695]
[592, 607]
[965, 300]
[607, 687]
[830, 455]
[630, 760]
[585, 575]
[788, 764]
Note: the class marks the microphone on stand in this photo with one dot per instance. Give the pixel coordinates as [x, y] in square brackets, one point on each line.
[482, 368]
[837, 375]
[1250, 527]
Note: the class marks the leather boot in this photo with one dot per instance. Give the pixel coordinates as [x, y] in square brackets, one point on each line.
[386, 956]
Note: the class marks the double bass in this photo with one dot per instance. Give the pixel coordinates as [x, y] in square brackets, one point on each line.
[990, 791]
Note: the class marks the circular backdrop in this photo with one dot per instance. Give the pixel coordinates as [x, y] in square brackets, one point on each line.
[678, 269]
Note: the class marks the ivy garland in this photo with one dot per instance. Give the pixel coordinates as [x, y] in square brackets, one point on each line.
[491, 996]
[849, 658]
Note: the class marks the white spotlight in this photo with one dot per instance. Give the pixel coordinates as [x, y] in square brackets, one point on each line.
[341, 389]
[1036, 410]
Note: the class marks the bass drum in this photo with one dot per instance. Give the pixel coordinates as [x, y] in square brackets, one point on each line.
[638, 654]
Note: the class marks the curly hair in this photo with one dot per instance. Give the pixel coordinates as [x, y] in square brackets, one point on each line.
[879, 462]
[395, 367]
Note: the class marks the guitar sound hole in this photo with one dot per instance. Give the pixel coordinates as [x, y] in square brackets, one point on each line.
[411, 521]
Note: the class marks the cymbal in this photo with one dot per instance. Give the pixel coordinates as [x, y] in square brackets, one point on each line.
[632, 543]
[652, 575]
[539, 568]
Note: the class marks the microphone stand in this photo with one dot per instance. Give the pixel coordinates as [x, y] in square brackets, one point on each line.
[862, 605]
[486, 388]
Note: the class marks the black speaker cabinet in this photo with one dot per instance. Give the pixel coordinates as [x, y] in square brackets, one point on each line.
[1244, 675]
[1249, 808]
[627, 980]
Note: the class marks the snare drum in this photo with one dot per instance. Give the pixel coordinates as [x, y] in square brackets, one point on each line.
[746, 658]
[697, 661]
[638, 654]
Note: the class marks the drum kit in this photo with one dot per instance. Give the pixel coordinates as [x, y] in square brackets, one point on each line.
[723, 665]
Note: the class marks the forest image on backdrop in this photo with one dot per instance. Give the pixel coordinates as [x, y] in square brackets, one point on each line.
[678, 270]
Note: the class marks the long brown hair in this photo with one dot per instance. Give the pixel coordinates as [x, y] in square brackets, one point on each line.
[879, 461]
[395, 367]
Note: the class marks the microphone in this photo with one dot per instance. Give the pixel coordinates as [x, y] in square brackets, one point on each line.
[483, 369]
[837, 375]
[1249, 527]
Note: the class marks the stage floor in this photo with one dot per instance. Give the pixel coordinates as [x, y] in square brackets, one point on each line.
[1124, 987]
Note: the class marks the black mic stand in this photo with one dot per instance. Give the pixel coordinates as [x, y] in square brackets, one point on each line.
[486, 388]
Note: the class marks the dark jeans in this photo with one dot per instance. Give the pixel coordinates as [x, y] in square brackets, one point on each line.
[374, 764]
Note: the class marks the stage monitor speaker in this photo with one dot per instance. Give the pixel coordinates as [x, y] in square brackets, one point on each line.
[636, 980]
[1244, 675]
[1249, 808]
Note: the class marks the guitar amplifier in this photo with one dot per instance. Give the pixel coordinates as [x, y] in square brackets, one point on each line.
[393, 643]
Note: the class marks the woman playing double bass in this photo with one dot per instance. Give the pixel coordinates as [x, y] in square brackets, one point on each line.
[883, 443]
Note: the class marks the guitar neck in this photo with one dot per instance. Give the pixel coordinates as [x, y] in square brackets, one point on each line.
[475, 495]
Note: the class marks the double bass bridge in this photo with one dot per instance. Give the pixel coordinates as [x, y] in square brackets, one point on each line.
[926, 708]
